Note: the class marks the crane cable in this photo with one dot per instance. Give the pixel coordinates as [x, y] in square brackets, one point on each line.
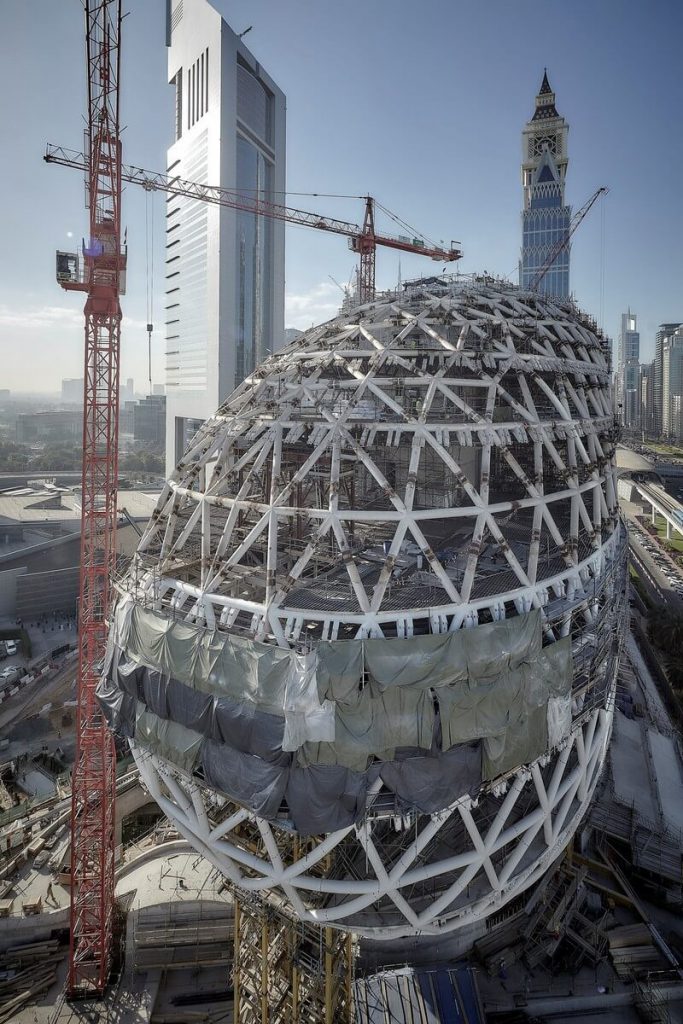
[407, 227]
[149, 272]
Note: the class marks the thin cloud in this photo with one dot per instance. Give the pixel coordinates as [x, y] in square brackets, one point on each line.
[321, 303]
[26, 318]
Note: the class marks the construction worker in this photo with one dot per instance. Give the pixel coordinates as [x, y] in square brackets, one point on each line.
[50, 895]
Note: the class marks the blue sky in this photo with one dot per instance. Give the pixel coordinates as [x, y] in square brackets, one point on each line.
[421, 105]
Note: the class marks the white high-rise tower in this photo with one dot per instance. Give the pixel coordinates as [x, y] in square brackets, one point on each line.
[224, 268]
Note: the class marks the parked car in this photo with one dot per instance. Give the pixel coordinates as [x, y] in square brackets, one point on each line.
[10, 647]
[9, 675]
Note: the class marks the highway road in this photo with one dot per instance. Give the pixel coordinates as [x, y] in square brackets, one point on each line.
[655, 582]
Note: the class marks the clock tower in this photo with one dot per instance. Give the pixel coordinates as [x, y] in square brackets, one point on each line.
[545, 217]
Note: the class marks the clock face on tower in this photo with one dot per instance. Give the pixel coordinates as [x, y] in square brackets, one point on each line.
[543, 142]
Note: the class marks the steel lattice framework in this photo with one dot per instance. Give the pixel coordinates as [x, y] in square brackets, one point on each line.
[440, 459]
[94, 770]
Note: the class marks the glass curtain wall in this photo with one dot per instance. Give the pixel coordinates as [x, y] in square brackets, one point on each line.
[253, 262]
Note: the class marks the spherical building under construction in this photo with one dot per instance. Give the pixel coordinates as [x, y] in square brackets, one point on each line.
[366, 652]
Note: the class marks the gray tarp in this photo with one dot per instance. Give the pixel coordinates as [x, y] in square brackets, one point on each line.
[403, 717]
[340, 671]
[526, 735]
[446, 659]
[169, 740]
[427, 782]
[215, 662]
[324, 798]
[245, 703]
[191, 707]
[243, 726]
[471, 711]
[274, 679]
[118, 706]
[248, 779]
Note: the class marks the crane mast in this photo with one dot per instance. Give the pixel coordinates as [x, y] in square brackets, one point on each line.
[101, 274]
[365, 245]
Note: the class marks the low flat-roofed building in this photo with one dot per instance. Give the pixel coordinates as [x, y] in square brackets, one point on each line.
[50, 426]
[40, 538]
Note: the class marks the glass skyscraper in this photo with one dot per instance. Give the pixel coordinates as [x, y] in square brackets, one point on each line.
[224, 267]
[545, 218]
[628, 372]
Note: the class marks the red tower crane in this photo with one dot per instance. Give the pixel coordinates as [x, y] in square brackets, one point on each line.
[102, 276]
[363, 240]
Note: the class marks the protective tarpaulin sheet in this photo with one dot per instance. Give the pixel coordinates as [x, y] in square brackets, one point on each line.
[248, 779]
[480, 654]
[190, 707]
[471, 711]
[243, 726]
[238, 723]
[524, 741]
[559, 719]
[427, 782]
[418, 711]
[209, 660]
[526, 736]
[169, 740]
[307, 719]
[375, 727]
[433, 660]
[118, 707]
[155, 693]
[324, 798]
[273, 679]
[340, 671]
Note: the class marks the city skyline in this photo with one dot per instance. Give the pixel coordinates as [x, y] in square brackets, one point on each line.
[440, 146]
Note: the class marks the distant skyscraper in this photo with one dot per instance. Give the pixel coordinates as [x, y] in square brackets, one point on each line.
[72, 390]
[663, 331]
[646, 396]
[149, 420]
[224, 268]
[628, 371]
[127, 391]
[672, 386]
[545, 218]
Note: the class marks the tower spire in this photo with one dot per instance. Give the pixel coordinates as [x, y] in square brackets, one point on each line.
[545, 101]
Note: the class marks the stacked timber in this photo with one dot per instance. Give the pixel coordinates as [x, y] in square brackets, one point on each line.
[25, 973]
[633, 952]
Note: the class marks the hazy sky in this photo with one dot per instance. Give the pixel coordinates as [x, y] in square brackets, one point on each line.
[419, 104]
